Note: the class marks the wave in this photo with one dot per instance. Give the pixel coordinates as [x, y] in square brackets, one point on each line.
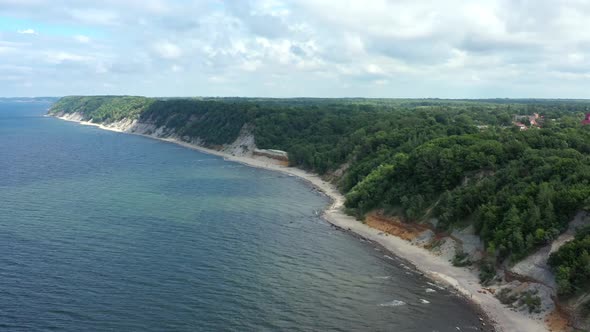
[435, 285]
[394, 303]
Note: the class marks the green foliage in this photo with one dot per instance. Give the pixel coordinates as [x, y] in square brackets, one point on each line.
[461, 259]
[519, 188]
[571, 264]
[531, 300]
[487, 272]
[214, 122]
[103, 109]
[528, 298]
[506, 296]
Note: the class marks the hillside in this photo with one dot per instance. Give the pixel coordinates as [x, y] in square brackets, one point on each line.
[515, 179]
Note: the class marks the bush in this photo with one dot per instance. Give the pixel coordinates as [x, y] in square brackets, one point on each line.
[461, 259]
[487, 272]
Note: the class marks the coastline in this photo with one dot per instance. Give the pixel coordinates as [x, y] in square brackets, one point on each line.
[465, 281]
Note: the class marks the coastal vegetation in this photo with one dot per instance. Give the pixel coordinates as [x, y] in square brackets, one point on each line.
[451, 162]
[571, 264]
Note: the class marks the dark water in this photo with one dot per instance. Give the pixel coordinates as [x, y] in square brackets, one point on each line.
[106, 231]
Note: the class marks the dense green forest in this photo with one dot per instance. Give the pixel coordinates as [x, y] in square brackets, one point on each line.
[459, 161]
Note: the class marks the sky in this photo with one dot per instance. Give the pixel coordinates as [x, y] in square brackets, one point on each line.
[296, 48]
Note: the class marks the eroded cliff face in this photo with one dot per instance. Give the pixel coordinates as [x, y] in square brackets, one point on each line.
[244, 145]
[528, 286]
[521, 293]
[77, 117]
[124, 125]
[536, 265]
[535, 268]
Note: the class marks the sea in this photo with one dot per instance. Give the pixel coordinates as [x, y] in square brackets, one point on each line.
[105, 231]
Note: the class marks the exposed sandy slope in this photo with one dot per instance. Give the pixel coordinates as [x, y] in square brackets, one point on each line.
[536, 266]
[462, 279]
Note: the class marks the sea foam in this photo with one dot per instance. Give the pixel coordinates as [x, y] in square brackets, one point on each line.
[394, 303]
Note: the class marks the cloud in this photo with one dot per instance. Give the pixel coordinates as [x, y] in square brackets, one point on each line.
[10, 48]
[167, 50]
[63, 57]
[94, 16]
[27, 32]
[402, 48]
[82, 39]
[176, 68]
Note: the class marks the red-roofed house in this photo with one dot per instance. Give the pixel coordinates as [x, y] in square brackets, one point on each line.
[586, 121]
[534, 120]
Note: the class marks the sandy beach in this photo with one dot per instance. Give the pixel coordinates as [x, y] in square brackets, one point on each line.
[463, 280]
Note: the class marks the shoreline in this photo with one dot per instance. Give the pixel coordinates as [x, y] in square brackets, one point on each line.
[464, 281]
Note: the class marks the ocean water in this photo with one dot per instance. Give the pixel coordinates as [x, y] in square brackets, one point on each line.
[101, 231]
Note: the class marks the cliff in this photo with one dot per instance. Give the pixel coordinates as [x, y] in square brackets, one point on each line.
[243, 145]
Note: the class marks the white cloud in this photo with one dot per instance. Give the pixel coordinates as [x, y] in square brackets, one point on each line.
[94, 16]
[27, 32]
[167, 50]
[58, 57]
[82, 39]
[309, 47]
[6, 49]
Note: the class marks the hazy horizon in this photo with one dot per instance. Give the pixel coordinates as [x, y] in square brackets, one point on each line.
[307, 97]
[455, 49]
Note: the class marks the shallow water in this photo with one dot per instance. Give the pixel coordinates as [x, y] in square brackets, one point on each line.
[108, 231]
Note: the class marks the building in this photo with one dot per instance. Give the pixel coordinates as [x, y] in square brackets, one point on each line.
[586, 120]
[535, 120]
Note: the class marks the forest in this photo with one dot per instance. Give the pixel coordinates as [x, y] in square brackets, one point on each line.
[457, 161]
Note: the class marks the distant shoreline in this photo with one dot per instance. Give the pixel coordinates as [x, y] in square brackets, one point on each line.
[466, 282]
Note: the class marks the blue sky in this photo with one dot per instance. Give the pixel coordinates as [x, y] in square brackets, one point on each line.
[289, 48]
[10, 24]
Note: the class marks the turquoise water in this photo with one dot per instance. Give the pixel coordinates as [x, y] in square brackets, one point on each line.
[107, 231]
